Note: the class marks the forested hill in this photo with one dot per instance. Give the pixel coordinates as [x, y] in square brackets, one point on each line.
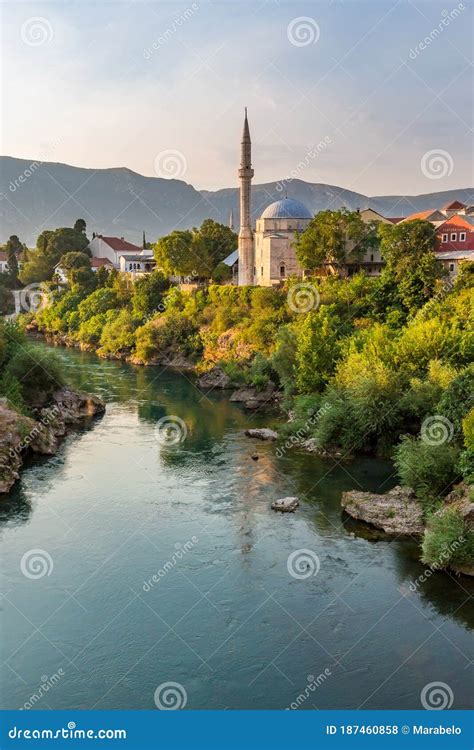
[36, 196]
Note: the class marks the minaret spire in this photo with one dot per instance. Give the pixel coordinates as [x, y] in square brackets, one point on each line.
[245, 234]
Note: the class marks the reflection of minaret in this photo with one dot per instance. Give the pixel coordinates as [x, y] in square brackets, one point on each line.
[245, 233]
[231, 220]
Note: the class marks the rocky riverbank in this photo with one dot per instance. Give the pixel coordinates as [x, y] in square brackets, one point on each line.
[20, 435]
[399, 513]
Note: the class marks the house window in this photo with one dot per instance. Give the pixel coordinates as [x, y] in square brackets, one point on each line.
[451, 267]
[453, 237]
[462, 237]
[261, 270]
[444, 238]
[282, 271]
[372, 257]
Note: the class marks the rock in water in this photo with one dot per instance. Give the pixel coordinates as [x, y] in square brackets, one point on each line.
[286, 504]
[253, 399]
[262, 433]
[395, 512]
[215, 378]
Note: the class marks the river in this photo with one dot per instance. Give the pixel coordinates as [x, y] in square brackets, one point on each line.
[164, 563]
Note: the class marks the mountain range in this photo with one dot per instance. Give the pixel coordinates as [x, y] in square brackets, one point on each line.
[37, 195]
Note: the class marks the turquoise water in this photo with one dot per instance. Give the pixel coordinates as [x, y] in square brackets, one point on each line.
[224, 617]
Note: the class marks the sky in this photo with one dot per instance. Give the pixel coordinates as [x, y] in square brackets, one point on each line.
[373, 96]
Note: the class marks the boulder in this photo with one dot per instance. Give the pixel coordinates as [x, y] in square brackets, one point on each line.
[215, 378]
[20, 434]
[286, 504]
[254, 399]
[262, 433]
[395, 512]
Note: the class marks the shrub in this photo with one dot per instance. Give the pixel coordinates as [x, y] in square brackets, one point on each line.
[39, 374]
[447, 540]
[429, 469]
[118, 332]
[458, 399]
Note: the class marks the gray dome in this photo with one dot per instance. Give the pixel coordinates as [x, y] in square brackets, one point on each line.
[287, 208]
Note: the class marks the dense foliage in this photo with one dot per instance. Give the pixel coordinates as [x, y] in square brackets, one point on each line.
[28, 376]
[380, 366]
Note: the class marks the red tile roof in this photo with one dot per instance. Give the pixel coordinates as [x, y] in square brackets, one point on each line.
[453, 205]
[3, 256]
[99, 262]
[421, 214]
[119, 244]
[457, 221]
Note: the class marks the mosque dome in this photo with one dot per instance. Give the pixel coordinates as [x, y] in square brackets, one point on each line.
[287, 208]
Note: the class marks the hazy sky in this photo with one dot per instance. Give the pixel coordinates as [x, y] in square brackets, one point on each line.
[106, 84]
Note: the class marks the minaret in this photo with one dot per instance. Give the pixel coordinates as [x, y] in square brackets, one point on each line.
[231, 219]
[246, 252]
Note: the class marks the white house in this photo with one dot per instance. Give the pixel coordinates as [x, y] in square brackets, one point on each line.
[96, 263]
[113, 248]
[137, 264]
[3, 263]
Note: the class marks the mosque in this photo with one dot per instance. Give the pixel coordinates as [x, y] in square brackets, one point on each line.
[266, 256]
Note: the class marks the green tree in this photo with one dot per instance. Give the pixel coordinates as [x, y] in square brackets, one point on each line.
[410, 261]
[147, 295]
[50, 247]
[334, 238]
[317, 350]
[13, 249]
[219, 240]
[80, 226]
[173, 253]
